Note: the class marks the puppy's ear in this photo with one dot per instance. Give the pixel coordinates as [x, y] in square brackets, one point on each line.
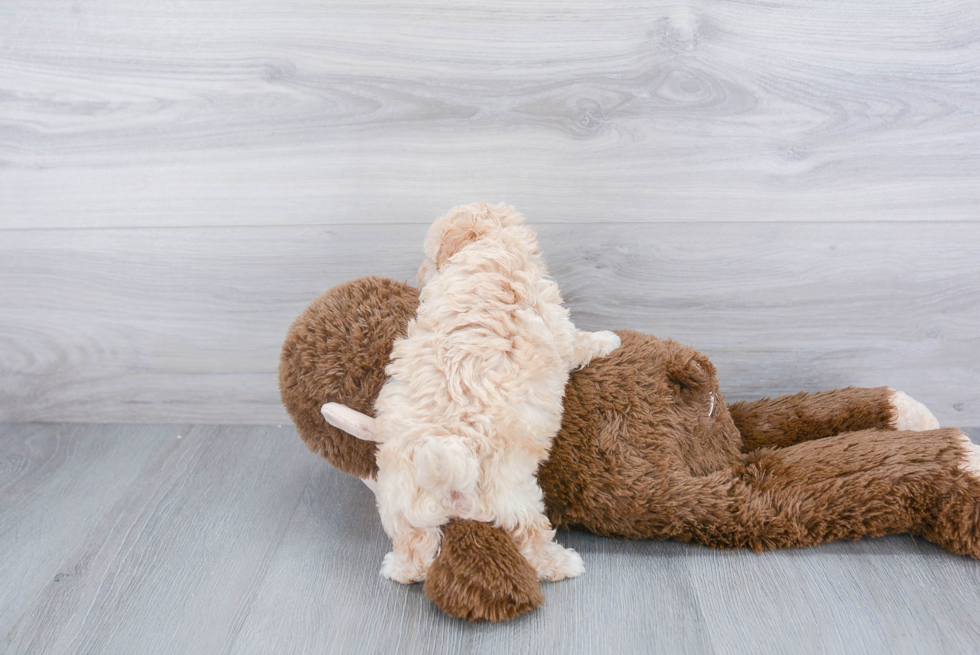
[456, 237]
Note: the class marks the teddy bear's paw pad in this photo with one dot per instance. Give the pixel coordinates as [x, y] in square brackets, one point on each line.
[400, 568]
[604, 342]
[910, 414]
[557, 563]
[971, 457]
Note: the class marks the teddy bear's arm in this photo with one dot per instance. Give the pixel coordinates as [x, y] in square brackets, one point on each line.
[788, 420]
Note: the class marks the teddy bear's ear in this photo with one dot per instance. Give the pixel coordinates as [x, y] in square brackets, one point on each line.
[350, 421]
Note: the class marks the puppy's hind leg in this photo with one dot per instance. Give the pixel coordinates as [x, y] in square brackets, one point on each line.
[411, 518]
[517, 505]
[413, 553]
[535, 539]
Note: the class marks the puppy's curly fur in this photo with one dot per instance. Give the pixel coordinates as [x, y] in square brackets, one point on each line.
[474, 395]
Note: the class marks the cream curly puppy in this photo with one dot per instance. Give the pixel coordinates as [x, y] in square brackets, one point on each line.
[474, 393]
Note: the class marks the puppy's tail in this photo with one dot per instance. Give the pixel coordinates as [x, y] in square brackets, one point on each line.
[479, 575]
[445, 464]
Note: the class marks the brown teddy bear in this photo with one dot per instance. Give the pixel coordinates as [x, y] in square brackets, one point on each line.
[648, 449]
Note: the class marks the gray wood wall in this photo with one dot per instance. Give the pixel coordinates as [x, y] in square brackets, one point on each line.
[791, 186]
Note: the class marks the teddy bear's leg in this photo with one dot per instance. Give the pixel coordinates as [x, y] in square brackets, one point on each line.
[866, 483]
[956, 526]
[784, 421]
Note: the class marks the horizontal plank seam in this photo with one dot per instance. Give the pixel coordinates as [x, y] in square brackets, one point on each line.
[240, 226]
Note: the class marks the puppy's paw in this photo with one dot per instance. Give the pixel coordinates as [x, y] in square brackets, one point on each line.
[589, 345]
[910, 414]
[400, 568]
[557, 563]
[604, 342]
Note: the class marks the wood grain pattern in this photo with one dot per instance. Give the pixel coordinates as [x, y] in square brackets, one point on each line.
[252, 112]
[184, 546]
[235, 539]
[186, 324]
[57, 482]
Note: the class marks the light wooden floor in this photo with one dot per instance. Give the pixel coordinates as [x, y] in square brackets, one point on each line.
[202, 539]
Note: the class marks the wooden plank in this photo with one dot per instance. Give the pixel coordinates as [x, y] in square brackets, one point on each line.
[186, 324]
[120, 114]
[56, 483]
[174, 565]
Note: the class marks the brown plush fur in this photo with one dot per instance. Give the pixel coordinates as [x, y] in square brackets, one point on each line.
[336, 351]
[648, 450]
[480, 575]
[781, 422]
